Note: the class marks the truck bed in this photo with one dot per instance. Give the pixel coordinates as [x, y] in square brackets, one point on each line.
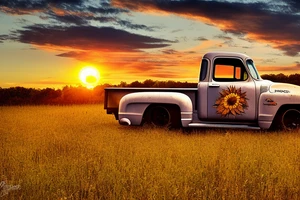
[114, 94]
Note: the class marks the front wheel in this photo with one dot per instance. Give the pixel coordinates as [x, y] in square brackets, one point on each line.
[290, 119]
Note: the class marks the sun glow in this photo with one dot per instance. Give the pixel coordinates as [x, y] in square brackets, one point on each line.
[89, 76]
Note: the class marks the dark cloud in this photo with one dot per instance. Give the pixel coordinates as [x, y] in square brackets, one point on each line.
[223, 37]
[106, 9]
[294, 5]
[81, 21]
[71, 19]
[65, 1]
[191, 52]
[77, 19]
[71, 12]
[3, 37]
[130, 25]
[85, 20]
[72, 54]
[290, 49]
[169, 51]
[28, 6]
[23, 4]
[260, 21]
[87, 38]
[297, 66]
[201, 39]
[270, 60]
[6, 37]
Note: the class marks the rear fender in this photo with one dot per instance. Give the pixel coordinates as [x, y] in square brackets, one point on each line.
[132, 106]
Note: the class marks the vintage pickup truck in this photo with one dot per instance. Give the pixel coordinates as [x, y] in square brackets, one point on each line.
[230, 94]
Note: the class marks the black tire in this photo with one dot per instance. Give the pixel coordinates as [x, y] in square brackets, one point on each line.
[160, 116]
[163, 116]
[289, 119]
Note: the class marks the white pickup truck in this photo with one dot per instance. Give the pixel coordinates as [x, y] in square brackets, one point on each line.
[230, 94]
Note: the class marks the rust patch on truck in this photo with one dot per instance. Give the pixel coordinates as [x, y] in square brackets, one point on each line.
[231, 101]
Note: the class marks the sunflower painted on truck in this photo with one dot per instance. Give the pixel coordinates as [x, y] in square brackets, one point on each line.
[232, 101]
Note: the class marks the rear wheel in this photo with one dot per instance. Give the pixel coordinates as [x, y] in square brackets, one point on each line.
[290, 119]
[163, 116]
[160, 116]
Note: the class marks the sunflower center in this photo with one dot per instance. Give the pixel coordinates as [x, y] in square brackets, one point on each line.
[231, 101]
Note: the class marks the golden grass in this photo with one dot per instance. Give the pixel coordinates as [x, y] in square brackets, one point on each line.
[79, 152]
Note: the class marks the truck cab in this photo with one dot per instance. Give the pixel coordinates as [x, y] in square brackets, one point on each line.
[232, 87]
[230, 94]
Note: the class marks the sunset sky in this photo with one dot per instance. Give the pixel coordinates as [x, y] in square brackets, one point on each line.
[45, 43]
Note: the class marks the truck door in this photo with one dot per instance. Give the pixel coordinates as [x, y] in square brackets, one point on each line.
[231, 92]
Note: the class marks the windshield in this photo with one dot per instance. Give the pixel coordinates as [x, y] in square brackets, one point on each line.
[252, 69]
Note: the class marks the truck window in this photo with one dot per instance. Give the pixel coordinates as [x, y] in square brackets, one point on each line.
[229, 69]
[203, 71]
[252, 69]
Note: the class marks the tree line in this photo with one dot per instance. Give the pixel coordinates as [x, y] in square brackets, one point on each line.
[73, 95]
[81, 95]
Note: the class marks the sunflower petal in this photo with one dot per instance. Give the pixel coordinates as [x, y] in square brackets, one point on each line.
[233, 112]
[243, 94]
[218, 101]
[240, 108]
[225, 112]
[220, 109]
[239, 91]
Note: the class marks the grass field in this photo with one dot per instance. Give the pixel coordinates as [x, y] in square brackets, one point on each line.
[79, 152]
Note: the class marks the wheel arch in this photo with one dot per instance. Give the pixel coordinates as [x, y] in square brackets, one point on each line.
[133, 106]
[280, 111]
[172, 109]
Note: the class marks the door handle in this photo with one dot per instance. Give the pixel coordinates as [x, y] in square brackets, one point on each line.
[213, 85]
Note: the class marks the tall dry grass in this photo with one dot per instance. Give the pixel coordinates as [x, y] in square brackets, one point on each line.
[79, 152]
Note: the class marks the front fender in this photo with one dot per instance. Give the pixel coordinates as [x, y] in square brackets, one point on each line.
[132, 106]
[270, 102]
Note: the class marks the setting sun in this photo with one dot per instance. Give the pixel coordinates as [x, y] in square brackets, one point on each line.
[89, 76]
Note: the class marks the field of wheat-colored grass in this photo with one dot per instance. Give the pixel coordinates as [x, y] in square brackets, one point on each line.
[79, 152]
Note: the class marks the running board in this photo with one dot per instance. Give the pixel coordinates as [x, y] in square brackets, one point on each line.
[204, 125]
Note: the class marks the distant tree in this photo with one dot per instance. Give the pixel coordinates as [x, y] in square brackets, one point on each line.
[293, 78]
[148, 83]
[122, 84]
[136, 84]
[46, 96]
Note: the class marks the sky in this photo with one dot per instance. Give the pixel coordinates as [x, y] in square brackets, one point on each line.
[45, 43]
